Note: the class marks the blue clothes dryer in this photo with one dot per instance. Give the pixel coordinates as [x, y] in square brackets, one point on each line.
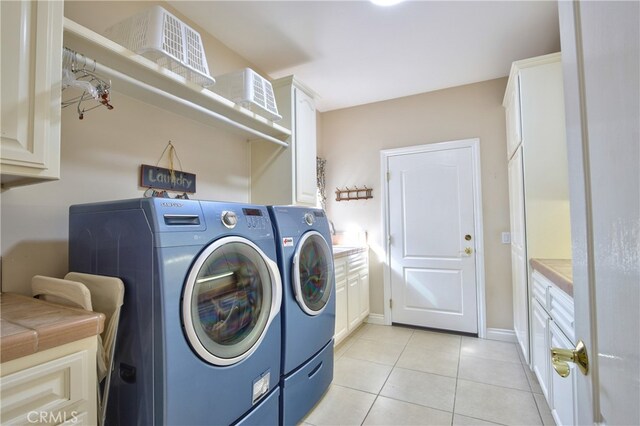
[308, 307]
[200, 334]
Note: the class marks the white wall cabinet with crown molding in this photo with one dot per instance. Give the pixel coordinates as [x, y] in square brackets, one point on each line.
[30, 87]
[287, 176]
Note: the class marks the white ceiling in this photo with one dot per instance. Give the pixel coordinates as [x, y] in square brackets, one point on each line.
[354, 52]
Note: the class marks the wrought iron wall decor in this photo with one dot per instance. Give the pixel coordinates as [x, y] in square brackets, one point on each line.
[322, 192]
[356, 193]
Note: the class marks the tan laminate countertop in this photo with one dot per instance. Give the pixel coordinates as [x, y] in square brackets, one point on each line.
[342, 251]
[29, 325]
[558, 271]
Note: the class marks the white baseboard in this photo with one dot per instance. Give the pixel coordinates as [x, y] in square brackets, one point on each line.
[501, 334]
[377, 319]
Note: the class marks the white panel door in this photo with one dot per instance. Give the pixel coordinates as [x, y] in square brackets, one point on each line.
[600, 58]
[431, 211]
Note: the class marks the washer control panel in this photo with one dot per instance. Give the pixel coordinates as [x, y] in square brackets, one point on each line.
[255, 218]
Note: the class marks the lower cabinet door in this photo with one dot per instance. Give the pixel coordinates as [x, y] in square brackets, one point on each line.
[540, 343]
[342, 324]
[563, 389]
[353, 296]
[364, 294]
[54, 392]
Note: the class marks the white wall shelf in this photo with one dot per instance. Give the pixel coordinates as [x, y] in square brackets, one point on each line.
[142, 79]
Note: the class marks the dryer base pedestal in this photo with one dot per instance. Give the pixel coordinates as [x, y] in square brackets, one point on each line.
[266, 413]
[303, 389]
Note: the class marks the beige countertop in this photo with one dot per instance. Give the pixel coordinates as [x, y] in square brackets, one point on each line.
[29, 325]
[558, 271]
[342, 251]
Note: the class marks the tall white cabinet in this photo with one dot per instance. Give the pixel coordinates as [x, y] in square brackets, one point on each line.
[538, 181]
[31, 33]
[288, 175]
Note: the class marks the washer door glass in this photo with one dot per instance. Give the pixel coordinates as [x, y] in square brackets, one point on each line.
[312, 273]
[230, 298]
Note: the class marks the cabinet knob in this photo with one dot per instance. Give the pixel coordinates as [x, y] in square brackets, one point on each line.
[561, 357]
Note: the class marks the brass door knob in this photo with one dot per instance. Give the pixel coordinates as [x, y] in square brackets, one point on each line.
[560, 358]
[468, 251]
[467, 237]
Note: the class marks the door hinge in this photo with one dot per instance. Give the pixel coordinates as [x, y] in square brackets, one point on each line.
[390, 303]
[389, 240]
[388, 176]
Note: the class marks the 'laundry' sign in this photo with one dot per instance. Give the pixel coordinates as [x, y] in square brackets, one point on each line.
[159, 178]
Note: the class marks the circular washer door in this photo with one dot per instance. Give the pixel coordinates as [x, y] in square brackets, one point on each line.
[232, 294]
[312, 273]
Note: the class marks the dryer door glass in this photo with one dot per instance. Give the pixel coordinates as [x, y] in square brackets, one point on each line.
[231, 290]
[313, 273]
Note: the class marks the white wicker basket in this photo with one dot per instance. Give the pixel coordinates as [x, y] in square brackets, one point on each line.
[247, 88]
[158, 35]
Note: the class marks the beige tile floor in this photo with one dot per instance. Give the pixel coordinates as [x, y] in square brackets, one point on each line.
[399, 376]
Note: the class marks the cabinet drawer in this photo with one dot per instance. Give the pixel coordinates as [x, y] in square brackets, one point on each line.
[49, 388]
[357, 262]
[540, 289]
[340, 270]
[562, 312]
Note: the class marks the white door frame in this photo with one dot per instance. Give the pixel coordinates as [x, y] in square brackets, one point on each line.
[385, 155]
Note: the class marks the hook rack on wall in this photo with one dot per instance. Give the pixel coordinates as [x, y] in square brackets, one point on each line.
[356, 193]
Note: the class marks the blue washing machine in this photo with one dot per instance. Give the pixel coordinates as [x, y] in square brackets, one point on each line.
[200, 333]
[308, 307]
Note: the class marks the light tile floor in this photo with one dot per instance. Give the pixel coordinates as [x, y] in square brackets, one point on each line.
[400, 376]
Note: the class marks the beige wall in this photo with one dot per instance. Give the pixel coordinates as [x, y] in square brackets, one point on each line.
[100, 160]
[351, 142]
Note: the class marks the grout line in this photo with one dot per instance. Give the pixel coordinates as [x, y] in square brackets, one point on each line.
[355, 389]
[538, 407]
[369, 410]
[455, 390]
[482, 420]
[427, 372]
[496, 386]
[385, 381]
[418, 404]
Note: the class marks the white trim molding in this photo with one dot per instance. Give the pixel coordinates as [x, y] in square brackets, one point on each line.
[377, 319]
[501, 334]
[474, 144]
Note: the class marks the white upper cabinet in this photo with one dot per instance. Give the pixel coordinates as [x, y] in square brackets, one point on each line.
[512, 108]
[288, 175]
[31, 86]
[305, 147]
